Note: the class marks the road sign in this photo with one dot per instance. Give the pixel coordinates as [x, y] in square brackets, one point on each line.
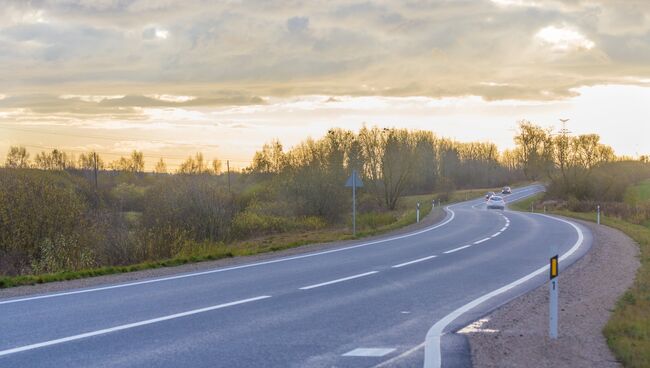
[355, 182]
[553, 301]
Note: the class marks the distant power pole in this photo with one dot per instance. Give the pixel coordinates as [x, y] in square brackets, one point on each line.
[95, 168]
[228, 169]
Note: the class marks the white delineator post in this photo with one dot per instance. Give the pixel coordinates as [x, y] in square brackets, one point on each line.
[598, 214]
[417, 213]
[553, 300]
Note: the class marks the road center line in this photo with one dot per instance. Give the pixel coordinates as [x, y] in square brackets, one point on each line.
[128, 326]
[457, 249]
[338, 280]
[414, 261]
[481, 241]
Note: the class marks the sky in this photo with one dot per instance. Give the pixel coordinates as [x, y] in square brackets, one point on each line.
[171, 78]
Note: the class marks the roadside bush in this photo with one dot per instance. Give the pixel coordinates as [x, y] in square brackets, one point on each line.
[34, 206]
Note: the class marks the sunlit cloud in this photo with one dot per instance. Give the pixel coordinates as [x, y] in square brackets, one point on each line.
[172, 98]
[564, 38]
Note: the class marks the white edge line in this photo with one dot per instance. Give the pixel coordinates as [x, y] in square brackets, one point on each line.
[457, 249]
[432, 355]
[338, 280]
[413, 261]
[496, 234]
[448, 209]
[481, 241]
[503, 229]
[127, 326]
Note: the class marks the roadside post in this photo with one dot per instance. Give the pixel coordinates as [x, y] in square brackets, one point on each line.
[355, 182]
[598, 214]
[433, 204]
[417, 213]
[553, 317]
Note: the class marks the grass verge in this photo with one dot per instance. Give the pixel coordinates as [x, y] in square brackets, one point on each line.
[376, 224]
[628, 329]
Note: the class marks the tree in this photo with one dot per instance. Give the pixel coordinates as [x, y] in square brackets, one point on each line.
[216, 166]
[194, 165]
[535, 148]
[56, 160]
[161, 167]
[17, 158]
[134, 163]
[90, 160]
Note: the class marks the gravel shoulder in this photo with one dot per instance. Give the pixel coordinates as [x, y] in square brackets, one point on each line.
[432, 218]
[516, 335]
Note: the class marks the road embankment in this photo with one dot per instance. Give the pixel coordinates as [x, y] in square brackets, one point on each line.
[516, 335]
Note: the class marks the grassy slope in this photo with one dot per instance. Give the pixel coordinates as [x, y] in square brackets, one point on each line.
[628, 329]
[402, 216]
[638, 194]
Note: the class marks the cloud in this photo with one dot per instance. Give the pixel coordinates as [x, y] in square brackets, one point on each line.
[232, 51]
[297, 24]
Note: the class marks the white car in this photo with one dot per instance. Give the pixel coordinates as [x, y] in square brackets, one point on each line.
[496, 203]
[506, 190]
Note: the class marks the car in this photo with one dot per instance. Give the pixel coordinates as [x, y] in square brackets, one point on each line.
[506, 190]
[496, 203]
[488, 195]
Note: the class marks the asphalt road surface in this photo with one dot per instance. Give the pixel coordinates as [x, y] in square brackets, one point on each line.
[366, 305]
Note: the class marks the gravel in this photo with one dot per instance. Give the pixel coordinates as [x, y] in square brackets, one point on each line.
[516, 335]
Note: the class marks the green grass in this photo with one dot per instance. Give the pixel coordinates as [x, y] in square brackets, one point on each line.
[524, 205]
[638, 194]
[628, 329]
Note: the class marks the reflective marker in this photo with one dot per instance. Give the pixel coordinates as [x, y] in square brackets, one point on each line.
[554, 270]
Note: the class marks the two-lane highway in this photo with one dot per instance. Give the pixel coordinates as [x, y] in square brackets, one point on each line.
[354, 306]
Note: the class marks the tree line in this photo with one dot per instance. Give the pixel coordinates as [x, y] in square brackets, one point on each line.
[59, 213]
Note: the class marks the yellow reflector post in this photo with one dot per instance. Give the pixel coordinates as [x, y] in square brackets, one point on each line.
[554, 267]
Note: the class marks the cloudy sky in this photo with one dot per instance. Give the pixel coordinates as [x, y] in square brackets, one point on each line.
[174, 77]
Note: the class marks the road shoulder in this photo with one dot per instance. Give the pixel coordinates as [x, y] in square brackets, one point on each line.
[516, 335]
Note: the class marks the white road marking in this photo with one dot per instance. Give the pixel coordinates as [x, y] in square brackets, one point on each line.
[496, 234]
[338, 280]
[481, 241]
[432, 356]
[193, 274]
[127, 326]
[503, 229]
[457, 249]
[414, 261]
[369, 352]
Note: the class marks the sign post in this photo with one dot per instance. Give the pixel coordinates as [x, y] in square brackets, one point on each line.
[554, 271]
[355, 182]
[417, 213]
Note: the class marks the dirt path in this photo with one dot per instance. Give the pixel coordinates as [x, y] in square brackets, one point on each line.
[516, 335]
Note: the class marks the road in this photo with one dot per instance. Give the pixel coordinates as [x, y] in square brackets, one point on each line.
[366, 305]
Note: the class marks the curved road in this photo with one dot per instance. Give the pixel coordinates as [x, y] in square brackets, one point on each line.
[366, 305]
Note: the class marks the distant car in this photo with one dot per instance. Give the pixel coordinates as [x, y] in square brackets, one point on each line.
[496, 203]
[506, 190]
[488, 195]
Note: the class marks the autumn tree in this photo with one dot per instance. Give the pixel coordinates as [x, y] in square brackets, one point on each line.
[17, 158]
